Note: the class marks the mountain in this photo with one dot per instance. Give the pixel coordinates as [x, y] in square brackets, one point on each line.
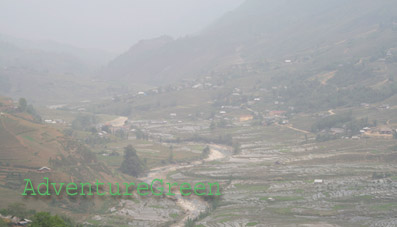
[48, 72]
[263, 31]
[91, 58]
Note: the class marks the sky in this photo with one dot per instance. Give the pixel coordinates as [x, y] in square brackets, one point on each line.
[112, 25]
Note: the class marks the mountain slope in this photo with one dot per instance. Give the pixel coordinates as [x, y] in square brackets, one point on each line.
[258, 31]
[26, 146]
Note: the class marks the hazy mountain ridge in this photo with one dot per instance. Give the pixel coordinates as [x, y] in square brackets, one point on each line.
[92, 58]
[257, 31]
[47, 72]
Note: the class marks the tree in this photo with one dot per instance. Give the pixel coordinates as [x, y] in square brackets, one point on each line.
[106, 128]
[93, 130]
[44, 219]
[22, 104]
[212, 125]
[236, 148]
[83, 122]
[120, 133]
[131, 164]
[140, 134]
[171, 156]
[206, 151]
[30, 110]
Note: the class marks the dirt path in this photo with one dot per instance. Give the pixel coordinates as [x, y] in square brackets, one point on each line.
[327, 76]
[118, 122]
[293, 128]
[297, 129]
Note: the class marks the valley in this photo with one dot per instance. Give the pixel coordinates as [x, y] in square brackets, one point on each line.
[288, 109]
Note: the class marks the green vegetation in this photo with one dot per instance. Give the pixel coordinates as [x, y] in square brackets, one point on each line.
[131, 164]
[22, 104]
[18, 210]
[83, 122]
[331, 121]
[268, 113]
[45, 219]
[40, 219]
[206, 151]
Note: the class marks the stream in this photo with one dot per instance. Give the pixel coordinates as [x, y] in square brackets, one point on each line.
[192, 205]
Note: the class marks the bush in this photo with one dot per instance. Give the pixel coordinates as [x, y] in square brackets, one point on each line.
[44, 219]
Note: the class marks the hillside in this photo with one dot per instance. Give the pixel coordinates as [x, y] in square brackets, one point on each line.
[26, 146]
[262, 32]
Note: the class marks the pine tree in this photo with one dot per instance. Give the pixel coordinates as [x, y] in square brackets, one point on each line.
[131, 164]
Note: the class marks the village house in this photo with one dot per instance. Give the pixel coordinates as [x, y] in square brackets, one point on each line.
[384, 107]
[247, 117]
[277, 113]
[284, 122]
[318, 181]
[24, 222]
[385, 130]
[50, 121]
[366, 105]
[44, 169]
[197, 86]
[367, 129]
[336, 131]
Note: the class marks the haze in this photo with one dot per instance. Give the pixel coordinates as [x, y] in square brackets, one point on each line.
[105, 24]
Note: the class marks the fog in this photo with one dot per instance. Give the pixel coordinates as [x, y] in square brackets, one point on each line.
[198, 113]
[109, 25]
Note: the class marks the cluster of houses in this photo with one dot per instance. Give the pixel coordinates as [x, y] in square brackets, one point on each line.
[202, 83]
[112, 127]
[7, 105]
[55, 121]
[384, 107]
[383, 130]
[366, 131]
[380, 107]
[276, 116]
